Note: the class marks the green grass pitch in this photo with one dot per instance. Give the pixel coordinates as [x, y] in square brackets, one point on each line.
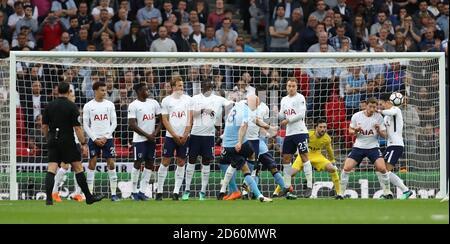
[228, 212]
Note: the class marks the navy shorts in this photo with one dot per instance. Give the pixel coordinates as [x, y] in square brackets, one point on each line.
[267, 161]
[107, 151]
[144, 151]
[170, 147]
[255, 146]
[294, 142]
[202, 146]
[237, 159]
[359, 154]
[393, 154]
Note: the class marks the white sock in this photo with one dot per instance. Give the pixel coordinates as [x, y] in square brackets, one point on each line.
[146, 174]
[90, 177]
[190, 169]
[113, 181]
[287, 171]
[344, 182]
[384, 182]
[135, 179]
[162, 174]
[59, 177]
[397, 182]
[228, 175]
[77, 187]
[179, 177]
[307, 169]
[205, 176]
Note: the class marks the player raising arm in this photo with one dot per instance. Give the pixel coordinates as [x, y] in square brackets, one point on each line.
[99, 122]
[393, 120]
[143, 114]
[367, 125]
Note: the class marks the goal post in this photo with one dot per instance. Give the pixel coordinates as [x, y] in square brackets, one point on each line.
[425, 162]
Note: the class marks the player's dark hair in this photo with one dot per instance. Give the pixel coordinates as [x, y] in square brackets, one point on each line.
[385, 97]
[320, 121]
[138, 87]
[63, 87]
[97, 85]
[174, 81]
[372, 100]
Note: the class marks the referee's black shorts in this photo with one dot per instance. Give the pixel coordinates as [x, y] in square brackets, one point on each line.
[63, 150]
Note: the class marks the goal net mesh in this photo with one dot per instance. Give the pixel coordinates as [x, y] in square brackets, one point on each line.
[334, 89]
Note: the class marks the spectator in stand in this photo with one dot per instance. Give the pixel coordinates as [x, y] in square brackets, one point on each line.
[30, 37]
[336, 41]
[344, 10]
[369, 11]
[320, 12]
[22, 43]
[183, 15]
[202, 10]
[27, 20]
[35, 103]
[151, 33]
[81, 40]
[408, 29]
[4, 48]
[112, 93]
[172, 29]
[226, 35]
[381, 17]
[36, 139]
[412, 121]
[308, 36]
[361, 36]
[422, 12]
[218, 15]
[384, 41]
[64, 9]
[183, 41]
[122, 27]
[196, 35]
[193, 19]
[6, 9]
[104, 25]
[256, 15]
[323, 40]
[145, 14]
[103, 4]
[19, 13]
[355, 85]
[74, 27]
[297, 27]
[246, 48]
[429, 41]
[84, 18]
[209, 41]
[395, 78]
[443, 20]
[167, 10]
[279, 31]
[163, 43]
[65, 44]
[228, 13]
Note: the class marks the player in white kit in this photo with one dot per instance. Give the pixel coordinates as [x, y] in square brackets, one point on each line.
[367, 125]
[176, 111]
[143, 118]
[393, 120]
[293, 115]
[202, 140]
[100, 122]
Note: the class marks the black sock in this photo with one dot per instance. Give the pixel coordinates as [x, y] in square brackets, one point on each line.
[81, 180]
[49, 183]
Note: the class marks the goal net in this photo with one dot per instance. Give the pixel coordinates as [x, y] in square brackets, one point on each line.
[335, 86]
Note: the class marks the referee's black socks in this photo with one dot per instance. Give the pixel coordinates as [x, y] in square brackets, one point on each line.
[49, 183]
[81, 180]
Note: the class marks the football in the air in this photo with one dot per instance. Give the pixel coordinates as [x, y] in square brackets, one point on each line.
[396, 98]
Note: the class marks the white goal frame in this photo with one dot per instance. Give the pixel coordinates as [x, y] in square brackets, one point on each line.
[14, 55]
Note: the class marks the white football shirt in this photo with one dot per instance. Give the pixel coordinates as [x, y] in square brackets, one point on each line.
[368, 138]
[178, 111]
[99, 119]
[145, 113]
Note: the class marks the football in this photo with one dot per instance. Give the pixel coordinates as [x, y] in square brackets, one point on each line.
[396, 98]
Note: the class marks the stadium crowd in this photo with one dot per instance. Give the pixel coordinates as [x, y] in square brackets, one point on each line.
[208, 26]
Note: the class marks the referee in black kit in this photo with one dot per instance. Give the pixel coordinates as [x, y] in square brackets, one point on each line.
[59, 120]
